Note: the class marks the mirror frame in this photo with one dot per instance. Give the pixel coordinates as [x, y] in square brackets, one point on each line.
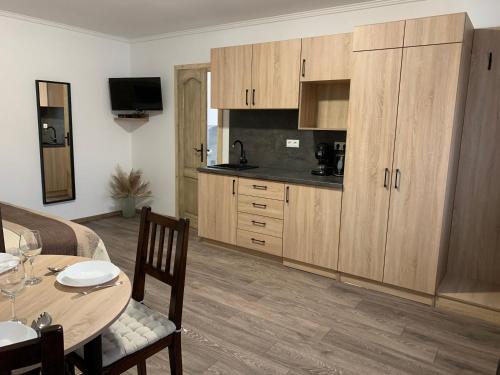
[70, 140]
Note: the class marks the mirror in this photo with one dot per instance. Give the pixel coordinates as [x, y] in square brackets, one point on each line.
[56, 141]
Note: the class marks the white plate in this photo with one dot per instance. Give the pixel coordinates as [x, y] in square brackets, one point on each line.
[5, 256]
[12, 332]
[90, 273]
[7, 262]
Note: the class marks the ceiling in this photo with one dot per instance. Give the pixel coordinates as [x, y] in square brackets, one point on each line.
[138, 18]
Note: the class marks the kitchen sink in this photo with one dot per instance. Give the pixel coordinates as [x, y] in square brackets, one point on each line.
[234, 167]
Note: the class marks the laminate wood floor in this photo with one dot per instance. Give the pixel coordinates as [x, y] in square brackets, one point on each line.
[244, 314]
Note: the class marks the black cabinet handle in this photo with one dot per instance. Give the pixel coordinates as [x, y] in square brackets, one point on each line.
[259, 187]
[253, 97]
[258, 242]
[68, 139]
[246, 96]
[490, 60]
[234, 190]
[200, 150]
[397, 179]
[303, 67]
[386, 174]
[287, 193]
[258, 223]
[258, 205]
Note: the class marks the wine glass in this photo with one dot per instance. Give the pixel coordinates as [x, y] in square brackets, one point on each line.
[12, 281]
[30, 245]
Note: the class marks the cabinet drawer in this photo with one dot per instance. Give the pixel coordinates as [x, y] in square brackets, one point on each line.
[260, 206]
[260, 188]
[260, 242]
[260, 224]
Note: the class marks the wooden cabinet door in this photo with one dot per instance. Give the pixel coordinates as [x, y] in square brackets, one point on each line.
[217, 207]
[450, 28]
[311, 225]
[275, 74]
[326, 58]
[370, 143]
[231, 72]
[429, 82]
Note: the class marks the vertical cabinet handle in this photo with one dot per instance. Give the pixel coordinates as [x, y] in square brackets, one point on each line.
[386, 175]
[397, 179]
[234, 183]
[253, 97]
[303, 67]
[246, 96]
[287, 194]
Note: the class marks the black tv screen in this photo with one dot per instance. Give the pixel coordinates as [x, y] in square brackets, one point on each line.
[135, 94]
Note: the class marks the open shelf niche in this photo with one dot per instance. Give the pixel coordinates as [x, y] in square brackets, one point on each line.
[324, 105]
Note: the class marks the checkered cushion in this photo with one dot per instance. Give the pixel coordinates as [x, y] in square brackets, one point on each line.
[138, 327]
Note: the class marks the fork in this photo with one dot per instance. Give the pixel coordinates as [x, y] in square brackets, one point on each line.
[97, 287]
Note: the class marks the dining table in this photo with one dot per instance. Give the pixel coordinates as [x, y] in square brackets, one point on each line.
[83, 317]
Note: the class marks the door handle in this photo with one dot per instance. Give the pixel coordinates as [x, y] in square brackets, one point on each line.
[259, 187]
[253, 97]
[234, 190]
[397, 179]
[246, 96]
[258, 223]
[287, 193]
[200, 150]
[386, 174]
[303, 67]
[68, 139]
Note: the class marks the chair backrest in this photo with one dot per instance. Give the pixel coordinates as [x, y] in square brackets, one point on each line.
[2, 241]
[48, 350]
[159, 259]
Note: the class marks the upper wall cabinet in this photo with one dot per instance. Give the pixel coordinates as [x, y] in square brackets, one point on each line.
[450, 28]
[264, 76]
[231, 77]
[275, 78]
[378, 36]
[326, 58]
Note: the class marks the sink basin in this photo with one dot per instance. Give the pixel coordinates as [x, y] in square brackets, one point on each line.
[235, 167]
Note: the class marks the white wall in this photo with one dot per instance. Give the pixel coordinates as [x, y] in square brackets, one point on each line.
[153, 145]
[30, 51]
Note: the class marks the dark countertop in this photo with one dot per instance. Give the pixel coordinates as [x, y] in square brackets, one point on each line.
[281, 175]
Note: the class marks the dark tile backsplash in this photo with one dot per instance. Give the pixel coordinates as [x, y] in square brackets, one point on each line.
[264, 134]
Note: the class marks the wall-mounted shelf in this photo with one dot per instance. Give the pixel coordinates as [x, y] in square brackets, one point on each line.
[324, 105]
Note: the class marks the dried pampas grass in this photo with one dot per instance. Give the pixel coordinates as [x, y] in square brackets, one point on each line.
[125, 185]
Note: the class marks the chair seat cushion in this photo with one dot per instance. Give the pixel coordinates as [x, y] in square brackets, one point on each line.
[138, 327]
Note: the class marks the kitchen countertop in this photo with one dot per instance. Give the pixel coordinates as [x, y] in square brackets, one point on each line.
[281, 175]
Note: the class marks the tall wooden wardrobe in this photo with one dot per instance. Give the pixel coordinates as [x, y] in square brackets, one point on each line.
[406, 114]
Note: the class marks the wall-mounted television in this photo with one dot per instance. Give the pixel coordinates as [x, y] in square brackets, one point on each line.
[135, 94]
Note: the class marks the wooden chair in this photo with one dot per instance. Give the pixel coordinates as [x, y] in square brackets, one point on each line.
[48, 349]
[2, 240]
[150, 331]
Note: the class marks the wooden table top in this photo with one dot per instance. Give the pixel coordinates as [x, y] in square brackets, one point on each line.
[82, 317]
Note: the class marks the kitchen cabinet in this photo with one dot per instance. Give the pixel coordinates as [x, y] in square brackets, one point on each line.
[401, 170]
[370, 143]
[217, 207]
[261, 76]
[422, 156]
[51, 94]
[311, 225]
[231, 77]
[326, 58]
[450, 28]
[275, 78]
[378, 36]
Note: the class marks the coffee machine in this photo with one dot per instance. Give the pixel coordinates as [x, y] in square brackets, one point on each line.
[324, 154]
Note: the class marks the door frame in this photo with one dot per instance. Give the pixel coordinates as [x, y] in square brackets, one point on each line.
[177, 69]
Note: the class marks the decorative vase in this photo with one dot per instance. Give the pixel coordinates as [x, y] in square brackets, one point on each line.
[128, 207]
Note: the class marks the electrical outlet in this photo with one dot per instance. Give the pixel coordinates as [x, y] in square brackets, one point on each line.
[339, 146]
[292, 143]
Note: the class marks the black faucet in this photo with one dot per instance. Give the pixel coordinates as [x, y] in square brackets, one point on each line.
[243, 159]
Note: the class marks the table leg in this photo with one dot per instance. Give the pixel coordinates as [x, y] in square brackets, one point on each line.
[92, 354]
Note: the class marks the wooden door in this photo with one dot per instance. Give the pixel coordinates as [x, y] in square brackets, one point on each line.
[217, 207]
[311, 225]
[326, 58]
[275, 74]
[370, 143]
[429, 82]
[231, 69]
[191, 138]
